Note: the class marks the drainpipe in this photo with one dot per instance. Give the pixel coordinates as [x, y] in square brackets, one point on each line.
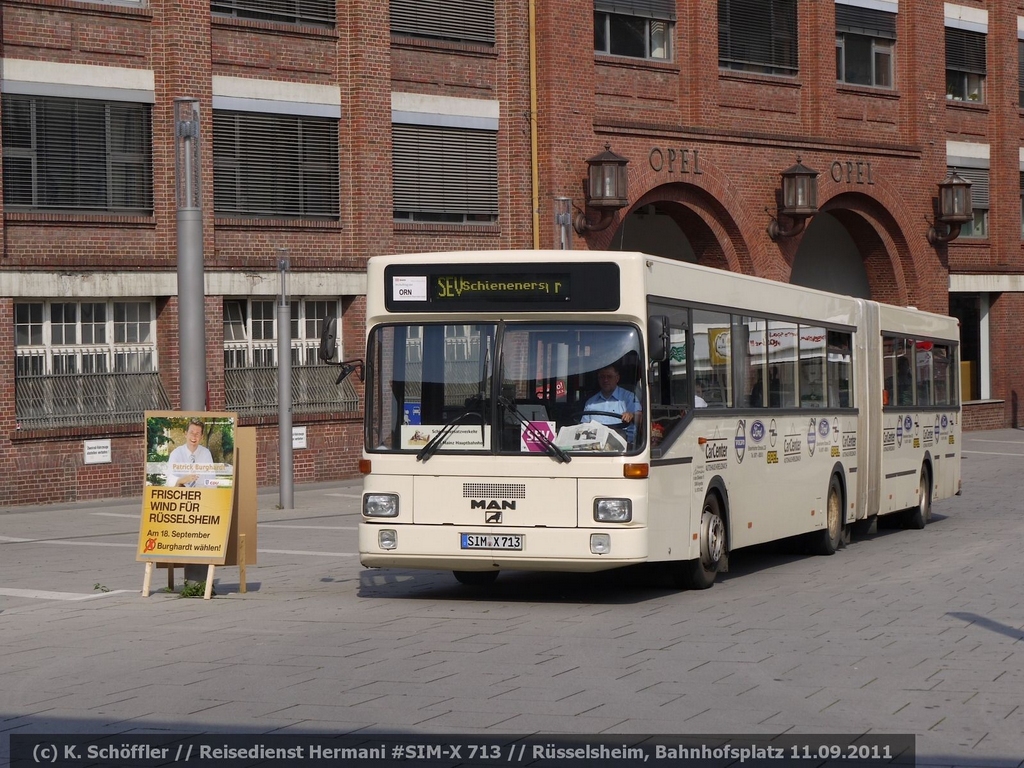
[534, 161]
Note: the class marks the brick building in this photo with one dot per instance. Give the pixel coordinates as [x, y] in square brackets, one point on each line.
[331, 131]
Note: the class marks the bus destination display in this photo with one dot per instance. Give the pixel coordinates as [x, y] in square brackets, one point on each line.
[560, 287]
[500, 288]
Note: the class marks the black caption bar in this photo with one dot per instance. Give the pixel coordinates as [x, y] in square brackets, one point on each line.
[412, 750]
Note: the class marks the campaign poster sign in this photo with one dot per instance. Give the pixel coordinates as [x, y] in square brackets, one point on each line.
[528, 441]
[189, 485]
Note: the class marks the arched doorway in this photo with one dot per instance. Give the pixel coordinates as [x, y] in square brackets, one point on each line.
[651, 229]
[683, 222]
[853, 246]
[828, 259]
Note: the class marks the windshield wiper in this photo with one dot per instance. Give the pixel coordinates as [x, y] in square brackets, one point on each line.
[556, 453]
[434, 444]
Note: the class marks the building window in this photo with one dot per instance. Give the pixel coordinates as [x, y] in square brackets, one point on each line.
[443, 174]
[639, 29]
[965, 65]
[311, 12]
[81, 363]
[978, 228]
[59, 337]
[250, 331]
[758, 36]
[275, 166]
[469, 21]
[1022, 206]
[1020, 73]
[250, 358]
[971, 309]
[864, 46]
[77, 155]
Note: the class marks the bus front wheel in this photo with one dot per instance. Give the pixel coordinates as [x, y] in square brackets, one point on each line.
[475, 578]
[701, 573]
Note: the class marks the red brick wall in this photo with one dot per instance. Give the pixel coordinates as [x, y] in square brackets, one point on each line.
[744, 128]
[989, 415]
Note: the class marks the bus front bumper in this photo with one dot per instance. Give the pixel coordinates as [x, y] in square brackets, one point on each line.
[446, 547]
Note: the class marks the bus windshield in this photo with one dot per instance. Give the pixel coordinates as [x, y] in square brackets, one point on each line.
[509, 388]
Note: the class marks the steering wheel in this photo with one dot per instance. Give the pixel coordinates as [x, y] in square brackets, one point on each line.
[619, 426]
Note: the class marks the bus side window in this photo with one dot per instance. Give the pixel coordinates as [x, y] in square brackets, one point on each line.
[888, 371]
[669, 381]
[749, 347]
[712, 358]
[783, 354]
[839, 373]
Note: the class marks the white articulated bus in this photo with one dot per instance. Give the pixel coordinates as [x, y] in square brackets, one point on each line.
[746, 411]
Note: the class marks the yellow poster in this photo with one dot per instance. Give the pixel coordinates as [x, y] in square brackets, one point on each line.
[718, 341]
[188, 495]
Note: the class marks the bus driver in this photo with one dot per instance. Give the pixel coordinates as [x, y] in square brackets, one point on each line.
[620, 404]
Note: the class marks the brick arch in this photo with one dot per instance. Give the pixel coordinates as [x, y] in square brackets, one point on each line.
[712, 214]
[874, 224]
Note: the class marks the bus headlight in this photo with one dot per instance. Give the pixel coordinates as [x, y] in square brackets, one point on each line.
[387, 538]
[613, 510]
[380, 505]
[600, 543]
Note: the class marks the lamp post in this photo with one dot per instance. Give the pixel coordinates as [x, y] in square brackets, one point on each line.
[191, 291]
[284, 385]
[956, 208]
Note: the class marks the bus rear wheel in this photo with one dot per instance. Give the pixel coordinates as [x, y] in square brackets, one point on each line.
[475, 578]
[918, 517]
[701, 573]
[827, 540]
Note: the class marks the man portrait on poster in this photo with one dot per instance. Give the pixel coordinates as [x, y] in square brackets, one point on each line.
[191, 464]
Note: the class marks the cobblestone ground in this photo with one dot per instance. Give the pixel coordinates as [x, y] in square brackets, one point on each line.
[903, 631]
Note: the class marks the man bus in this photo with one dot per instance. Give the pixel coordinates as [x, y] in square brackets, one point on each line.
[480, 454]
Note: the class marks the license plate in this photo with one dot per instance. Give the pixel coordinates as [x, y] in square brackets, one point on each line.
[492, 540]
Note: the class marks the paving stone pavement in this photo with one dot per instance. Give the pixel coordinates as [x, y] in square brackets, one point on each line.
[901, 632]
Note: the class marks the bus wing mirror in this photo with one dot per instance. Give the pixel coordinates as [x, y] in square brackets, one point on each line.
[329, 339]
[657, 338]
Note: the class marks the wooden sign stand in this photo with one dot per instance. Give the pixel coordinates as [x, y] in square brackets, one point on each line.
[243, 520]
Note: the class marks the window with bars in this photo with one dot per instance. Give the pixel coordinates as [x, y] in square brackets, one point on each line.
[84, 363]
[978, 228]
[444, 174]
[60, 337]
[275, 166]
[250, 358]
[758, 36]
[250, 331]
[864, 46]
[311, 12]
[470, 21]
[639, 29]
[965, 65]
[77, 155]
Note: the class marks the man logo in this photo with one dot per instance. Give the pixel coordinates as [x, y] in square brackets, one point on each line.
[492, 508]
[492, 504]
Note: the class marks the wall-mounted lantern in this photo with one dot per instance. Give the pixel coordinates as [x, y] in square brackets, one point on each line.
[799, 200]
[607, 190]
[955, 208]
